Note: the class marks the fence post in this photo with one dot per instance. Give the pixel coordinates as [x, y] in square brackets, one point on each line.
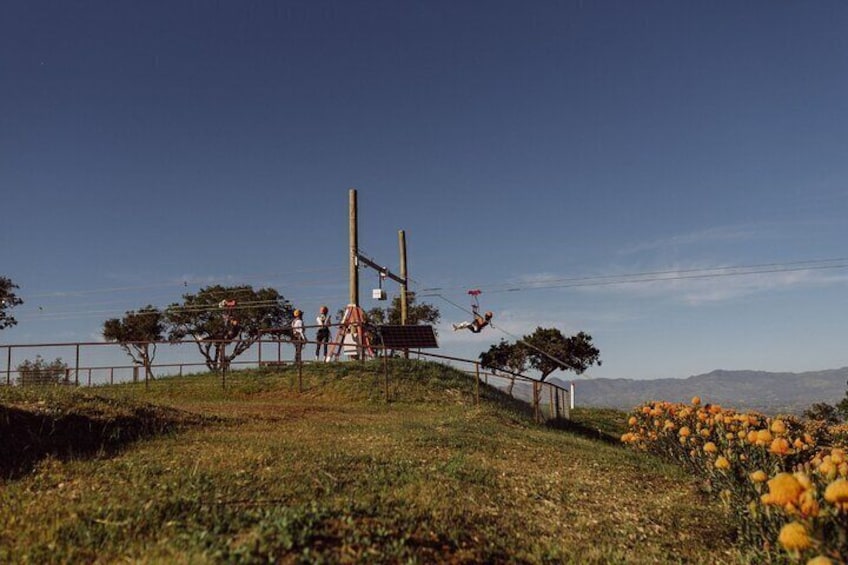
[299, 374]
[8, 365]
[76, 368]
[89, 377]
[386, 370]
[111, 375]
[259, 341]
[477, 383]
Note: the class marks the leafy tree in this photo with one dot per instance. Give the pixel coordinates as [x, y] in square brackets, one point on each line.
[506, 357]
[548, 350]
[822, 411]
[39, 372]
[416, 314]
[136, 332]
[214, 326]
[8, 300]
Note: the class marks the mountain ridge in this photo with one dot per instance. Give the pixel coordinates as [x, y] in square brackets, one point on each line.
[761, 391]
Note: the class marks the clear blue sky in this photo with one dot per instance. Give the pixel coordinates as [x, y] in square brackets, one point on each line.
[149, 148]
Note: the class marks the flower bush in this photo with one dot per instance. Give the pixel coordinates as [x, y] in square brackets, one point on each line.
[784, 480]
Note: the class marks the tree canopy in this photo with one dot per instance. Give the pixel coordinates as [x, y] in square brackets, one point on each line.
[218, 316]
[136, 332]
[548, 350]
[8, 300]
[545, 350]
[416, 314]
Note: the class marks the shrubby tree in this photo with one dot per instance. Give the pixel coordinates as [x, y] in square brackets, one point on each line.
[214, 326]
[823, 412]
[505, 356]
[545, 350]
[137, 333]
[39, 372]
[8, 300]
[549, 350]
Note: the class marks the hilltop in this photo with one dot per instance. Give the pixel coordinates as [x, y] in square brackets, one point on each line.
[325, 469]
[788, 393]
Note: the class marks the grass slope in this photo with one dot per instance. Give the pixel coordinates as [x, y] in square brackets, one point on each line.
[263, 472]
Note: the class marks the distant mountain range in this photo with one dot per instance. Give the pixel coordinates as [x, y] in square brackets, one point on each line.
[770, 393]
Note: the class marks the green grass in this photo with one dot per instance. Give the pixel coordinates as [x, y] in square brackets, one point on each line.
[262, 471]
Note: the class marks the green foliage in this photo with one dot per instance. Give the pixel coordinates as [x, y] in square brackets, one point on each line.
[505, 356]
[39, 372]
[8, 300]
[822, 412]
[137, 333]
[214, 327]
[548, 349]
[416, 314]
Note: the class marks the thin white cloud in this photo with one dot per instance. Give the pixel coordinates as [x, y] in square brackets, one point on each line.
[710, 235]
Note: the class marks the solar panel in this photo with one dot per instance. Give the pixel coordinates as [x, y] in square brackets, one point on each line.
[408, 337]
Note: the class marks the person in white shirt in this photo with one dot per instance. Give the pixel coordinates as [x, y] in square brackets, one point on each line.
[298, 335]
[323, 334]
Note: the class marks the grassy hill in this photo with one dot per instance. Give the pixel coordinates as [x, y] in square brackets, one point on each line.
[189, 472]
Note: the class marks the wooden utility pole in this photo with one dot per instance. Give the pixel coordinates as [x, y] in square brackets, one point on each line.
[403, 274]
[354, 250]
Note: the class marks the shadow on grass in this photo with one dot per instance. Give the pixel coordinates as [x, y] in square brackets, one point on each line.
[584, 430]
[30, 436]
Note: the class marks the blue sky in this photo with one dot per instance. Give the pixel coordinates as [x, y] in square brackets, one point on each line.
[149, 148]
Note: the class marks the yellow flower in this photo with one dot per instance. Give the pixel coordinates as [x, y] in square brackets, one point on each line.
[794, 537]
[837, 456]
[784, 489]
[837, 492]
[764, 437]
[820, 560]
[779, 446]
[778, 427]
[722, 462]
[632, 421]
[710, 447]
[759, 476]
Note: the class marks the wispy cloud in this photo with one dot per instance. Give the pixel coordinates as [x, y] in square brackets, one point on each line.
[704, 285]
[711, 235]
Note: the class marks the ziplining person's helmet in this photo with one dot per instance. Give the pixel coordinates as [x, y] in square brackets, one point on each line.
[324, 309]
[298, 313]
[489, 315]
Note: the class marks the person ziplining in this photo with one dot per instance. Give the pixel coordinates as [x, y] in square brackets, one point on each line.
[480, 321]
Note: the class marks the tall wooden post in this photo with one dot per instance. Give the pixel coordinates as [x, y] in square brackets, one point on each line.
[9, 365]
[405, 276]
[354, 249]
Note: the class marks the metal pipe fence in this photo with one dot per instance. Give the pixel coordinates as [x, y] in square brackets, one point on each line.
[105, 363]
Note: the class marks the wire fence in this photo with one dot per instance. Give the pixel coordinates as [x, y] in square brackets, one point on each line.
[92, 364]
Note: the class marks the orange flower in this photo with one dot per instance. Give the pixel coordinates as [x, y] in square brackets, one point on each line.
[794, 537]
[710, 447]
[820, 560]
[764, 437]
[696, 400]
[779, 446]
[758, 476]
[784, 489]
[632, 421]
[684, 431]
[722, 462]
[837, 492]
[778, 427]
